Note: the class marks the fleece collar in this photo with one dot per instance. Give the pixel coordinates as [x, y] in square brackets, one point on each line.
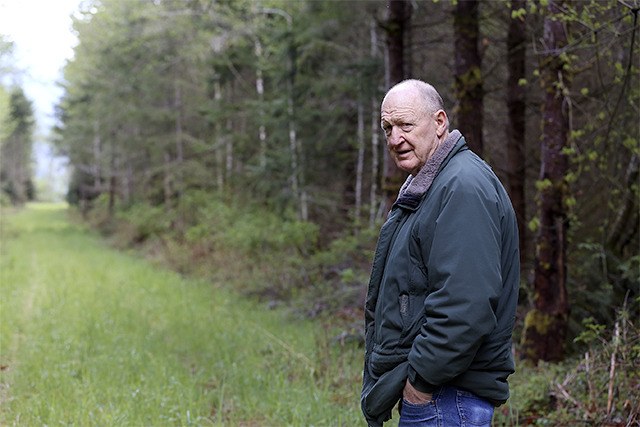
[415, 187]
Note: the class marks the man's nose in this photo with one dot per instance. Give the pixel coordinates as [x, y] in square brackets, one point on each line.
[395, 136]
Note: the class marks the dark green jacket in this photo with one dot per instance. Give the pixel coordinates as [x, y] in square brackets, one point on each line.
[442, 296]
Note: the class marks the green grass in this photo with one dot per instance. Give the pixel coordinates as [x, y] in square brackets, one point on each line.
[90, 336]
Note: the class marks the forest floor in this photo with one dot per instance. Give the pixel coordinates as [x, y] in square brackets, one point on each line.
[94, 336]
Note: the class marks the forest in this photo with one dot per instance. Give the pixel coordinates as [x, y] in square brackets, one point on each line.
[240, 140]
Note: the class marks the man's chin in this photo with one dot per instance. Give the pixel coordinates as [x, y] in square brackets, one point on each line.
[405, 166]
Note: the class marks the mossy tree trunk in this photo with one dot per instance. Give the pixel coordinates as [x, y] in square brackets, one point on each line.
[546, 324]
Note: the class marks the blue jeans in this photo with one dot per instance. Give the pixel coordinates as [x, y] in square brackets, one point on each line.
[450, 407]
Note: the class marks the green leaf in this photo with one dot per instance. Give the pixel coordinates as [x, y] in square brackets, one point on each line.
[518, 14]
[543, 184]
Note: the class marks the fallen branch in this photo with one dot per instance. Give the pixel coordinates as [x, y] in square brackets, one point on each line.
[566, 396]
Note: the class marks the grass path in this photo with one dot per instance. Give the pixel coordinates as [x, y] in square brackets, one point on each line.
[93, 336]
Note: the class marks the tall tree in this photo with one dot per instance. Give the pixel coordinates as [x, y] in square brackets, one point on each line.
[15, 149]
[516, 106]
[6, 59]
[546, 324]
[374, 206]
[468, 73]
[396, 26]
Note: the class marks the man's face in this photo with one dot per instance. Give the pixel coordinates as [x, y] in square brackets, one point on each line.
[410, 130]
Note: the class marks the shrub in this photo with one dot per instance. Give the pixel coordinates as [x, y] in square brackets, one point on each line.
[599, 388]
[145, 220]
[603, 387]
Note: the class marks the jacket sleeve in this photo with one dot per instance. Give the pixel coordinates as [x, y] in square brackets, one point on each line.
[463, 267]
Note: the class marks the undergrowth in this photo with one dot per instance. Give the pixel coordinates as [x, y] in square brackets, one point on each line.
[278, 260]
[600, 387]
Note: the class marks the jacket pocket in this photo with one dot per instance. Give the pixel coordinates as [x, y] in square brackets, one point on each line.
[379, 400]
[405, 314]
[412, 319]
[381, 362]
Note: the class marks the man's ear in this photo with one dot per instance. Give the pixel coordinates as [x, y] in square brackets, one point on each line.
[441, 123]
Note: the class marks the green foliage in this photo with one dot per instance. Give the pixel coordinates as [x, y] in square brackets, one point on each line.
[601, 198]
[145, 220]
[602, 387]
[4, 200]
[7, 123]
[207, 218]
[518, 14]
[245, 229]
[591, 331]
[543, 184]
[260, 234]
[206, 236]
[356, 250]
[600, 283]
[161, 98]
[16, 145]
[339, 277]
[530, 395]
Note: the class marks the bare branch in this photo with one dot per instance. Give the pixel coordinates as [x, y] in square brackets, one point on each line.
[612, 369]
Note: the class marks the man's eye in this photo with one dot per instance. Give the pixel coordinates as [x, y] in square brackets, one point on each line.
[406, 127]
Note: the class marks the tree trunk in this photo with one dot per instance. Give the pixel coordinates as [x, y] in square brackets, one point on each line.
[546, 324]
[177, 107]
[127, 185]
[262, 131]
[359, 162]
[112, 181]
[468, 74]
[625, 226]
[231, 123]
[166, 181]
[516, 59]
[219, 140]
[228, 143]
[295, 146]
[396, 26]
[97, 156]
[375, 138]
[297, 187]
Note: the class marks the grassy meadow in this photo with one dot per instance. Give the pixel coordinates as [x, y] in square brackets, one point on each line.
[90, 336]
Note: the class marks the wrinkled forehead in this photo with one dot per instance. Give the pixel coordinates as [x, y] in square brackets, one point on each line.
[402, 103]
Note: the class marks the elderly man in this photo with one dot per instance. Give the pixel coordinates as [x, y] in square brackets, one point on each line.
[442, 296]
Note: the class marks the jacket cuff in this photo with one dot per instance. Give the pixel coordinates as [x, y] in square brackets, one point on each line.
[419, 383]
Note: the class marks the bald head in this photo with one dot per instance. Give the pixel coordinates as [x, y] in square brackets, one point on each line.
[426, 95]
